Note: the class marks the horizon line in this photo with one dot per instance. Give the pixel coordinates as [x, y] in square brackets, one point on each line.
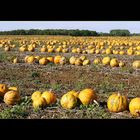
[65, 29]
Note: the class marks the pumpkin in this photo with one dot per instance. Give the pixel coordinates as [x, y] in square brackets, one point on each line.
[7, 48]
[3, 89]
[65, 50]
[138, 48]
[108, 51]
[130, 52]
[13, 88]
[114, 62]
[96, 61]
[76, 94]
[117, 102]
[136, 64]
[58, 49]
[90, 47]
[86, 62]
[79, 50]
[121, 52]
[50, 59]
[63, 60]
[106, 60]
[22, 49]
[37, 58]
[103, 51]
[57, 59]
[74, 50]
[39, 103]
[86, 96]
[36, 95]
[83, 57]
[30, 48]
[11, 97]
[43, 61]
[134, 107]
[78, 62]
[26, 57]
[50, 50]
[49, 96]
[121, 64]
[97, 51]
[91, 51]
[83, 51]
[68, 101]
[72, 60]
[30, 59]
[43, 49]
[15, 60]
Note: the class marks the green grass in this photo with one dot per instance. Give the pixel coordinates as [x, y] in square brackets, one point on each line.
[3, 57]
[17, 111]
[90, 112]
[56, 86]
[79, 85]
[34, 74]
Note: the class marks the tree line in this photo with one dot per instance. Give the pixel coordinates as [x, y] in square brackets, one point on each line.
[68, 32]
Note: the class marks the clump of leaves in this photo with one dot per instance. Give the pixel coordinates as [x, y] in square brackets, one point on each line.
[51, 64]
[37, 81]
[17, 111]
[3, 57]
[94, 111]
[34, 74]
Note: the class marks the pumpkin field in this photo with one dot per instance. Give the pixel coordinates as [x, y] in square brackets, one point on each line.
[67, 77]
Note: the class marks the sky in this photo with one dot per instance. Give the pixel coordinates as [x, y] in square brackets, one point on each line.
[99, 26]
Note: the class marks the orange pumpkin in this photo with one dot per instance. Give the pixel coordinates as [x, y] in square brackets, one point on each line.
[22, 49]
[43, 49]
[114, 62]
[11, 97]
[43, 61]
[50, 50]
[63, 60]
[13, 88]
[39, 103]
[86, 96]
[3, 89]
[7, 48]
[68, 101]
[136, 64]
[30, 59]
[106, 60]
[117, 102]
[57, 59]
[36, 95]
[78, 62]
[73, 93]
[134, 107]
[72, 60]
[50, 59]
[15, 60]
[86, 62]
[49, 96]
[31, 49]
[97, 61]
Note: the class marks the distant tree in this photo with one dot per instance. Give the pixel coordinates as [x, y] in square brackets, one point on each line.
[119, 32]
[67, 32]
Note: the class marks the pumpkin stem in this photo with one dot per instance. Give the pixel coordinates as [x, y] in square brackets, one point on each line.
[96, 102]
[50, 90]
[119, 94]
